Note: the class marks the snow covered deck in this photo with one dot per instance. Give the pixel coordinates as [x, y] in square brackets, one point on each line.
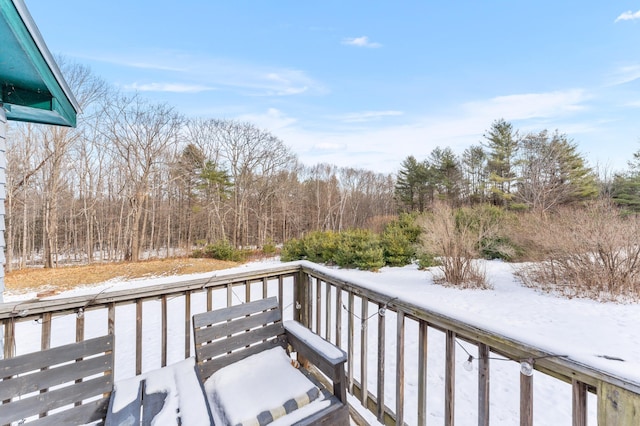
[403, 347]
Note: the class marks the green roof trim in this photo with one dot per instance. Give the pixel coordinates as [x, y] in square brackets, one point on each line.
[32, 88]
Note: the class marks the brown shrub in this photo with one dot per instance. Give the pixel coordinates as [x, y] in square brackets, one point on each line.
[589, 251]
[456, 245]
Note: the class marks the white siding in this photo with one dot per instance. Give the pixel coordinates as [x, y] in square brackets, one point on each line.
[3, 181]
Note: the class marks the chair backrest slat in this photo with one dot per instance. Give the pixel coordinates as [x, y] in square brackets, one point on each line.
[36, 383]
[230, 334]
[233, 312]
[229, 328]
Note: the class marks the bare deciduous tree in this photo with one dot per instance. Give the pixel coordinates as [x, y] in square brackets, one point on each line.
[140, 136]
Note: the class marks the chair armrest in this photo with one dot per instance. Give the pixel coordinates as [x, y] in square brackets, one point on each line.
[306, 338]
[327, 357]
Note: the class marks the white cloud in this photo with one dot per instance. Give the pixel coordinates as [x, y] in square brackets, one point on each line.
[167, 87]
[628, 16]
[382, 148]
[246, 78]
[361, 117]
[361, 42]
[625, 74]
[530, 105]
[329, 146]
[272, 120]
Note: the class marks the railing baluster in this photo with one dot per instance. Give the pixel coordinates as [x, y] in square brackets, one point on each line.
[45, 343]
[111, 320]
[247, 291]
[350, 343]
[80, 326]
[138, 336]
[229, 294]
[338, 317]
[281, 293]
[327, 315]
[450, 379]
[400, 369]
[483, 385]
[318, 308]
[526, 400]
[45, 339]
[209, 298]
[579, 405]
[422, 372]
[79, 334]
[265, 282]
[163, 337]
[363, 350]
[187, 324]
[381, 356]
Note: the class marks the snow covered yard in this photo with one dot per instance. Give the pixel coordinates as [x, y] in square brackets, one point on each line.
[602, 335]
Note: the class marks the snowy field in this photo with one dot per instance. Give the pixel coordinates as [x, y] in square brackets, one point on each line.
[584, 330]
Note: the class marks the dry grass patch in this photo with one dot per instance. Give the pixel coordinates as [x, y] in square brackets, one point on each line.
[69, 277]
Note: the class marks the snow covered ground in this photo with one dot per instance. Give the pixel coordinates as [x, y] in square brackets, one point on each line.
[585, 330]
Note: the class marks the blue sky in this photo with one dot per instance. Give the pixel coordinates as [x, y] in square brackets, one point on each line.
[367, 83]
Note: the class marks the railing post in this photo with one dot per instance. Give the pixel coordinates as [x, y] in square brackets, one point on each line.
[483, 385]
[579, 403]
[617, 406]
[526, 400]
[301, 297]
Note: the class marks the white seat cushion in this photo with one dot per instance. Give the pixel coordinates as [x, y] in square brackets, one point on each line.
[258, 389]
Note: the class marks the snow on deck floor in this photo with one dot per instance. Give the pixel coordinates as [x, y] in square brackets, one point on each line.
[583, 329]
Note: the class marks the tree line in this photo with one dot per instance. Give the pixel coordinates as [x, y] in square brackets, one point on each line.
[137, 179]
[537, 171]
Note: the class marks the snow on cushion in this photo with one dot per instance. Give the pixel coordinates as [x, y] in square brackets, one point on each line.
[258, 390]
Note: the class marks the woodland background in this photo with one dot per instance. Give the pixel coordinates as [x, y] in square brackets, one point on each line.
[137, 179]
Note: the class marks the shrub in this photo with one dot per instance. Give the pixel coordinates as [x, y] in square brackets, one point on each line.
[427, 260]
[223, 250]
[292, 250]
[320, 246]
[489, 225]
[589, 251]
[399, 239]
[499, 247]
[269, 249]
[317, 246]
[454, 239]
[359, 248]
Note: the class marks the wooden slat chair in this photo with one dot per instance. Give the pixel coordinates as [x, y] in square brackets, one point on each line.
[228, 337]
[66, 385]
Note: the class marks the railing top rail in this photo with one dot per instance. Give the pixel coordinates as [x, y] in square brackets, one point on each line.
[560, 367]
[63, 304]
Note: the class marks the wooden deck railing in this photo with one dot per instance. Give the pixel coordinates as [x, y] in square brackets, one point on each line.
[152, 329]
